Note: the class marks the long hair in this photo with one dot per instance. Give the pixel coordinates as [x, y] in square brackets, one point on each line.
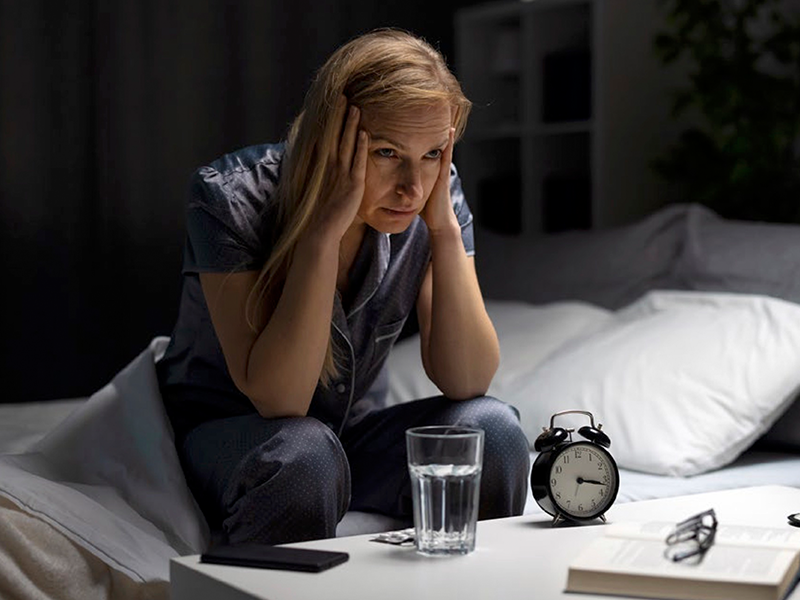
[387, 70]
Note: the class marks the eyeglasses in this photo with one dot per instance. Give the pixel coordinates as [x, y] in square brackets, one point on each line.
[692, 538]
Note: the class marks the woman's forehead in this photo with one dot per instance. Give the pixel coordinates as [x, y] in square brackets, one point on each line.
[434, 120]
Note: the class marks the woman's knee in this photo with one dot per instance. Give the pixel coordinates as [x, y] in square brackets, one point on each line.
[303, 455]
[504, 435]
[293, 486]
[506, 457]
[498, 419]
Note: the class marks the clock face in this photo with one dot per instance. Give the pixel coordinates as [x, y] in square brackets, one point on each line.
[583, 480]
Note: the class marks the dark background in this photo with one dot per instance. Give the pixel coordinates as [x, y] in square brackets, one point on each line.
[106, 107]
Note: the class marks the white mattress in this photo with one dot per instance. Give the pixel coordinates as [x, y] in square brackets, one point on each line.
[22, 424]
[752, 468]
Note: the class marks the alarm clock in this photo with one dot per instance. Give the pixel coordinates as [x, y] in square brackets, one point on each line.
[574, 480]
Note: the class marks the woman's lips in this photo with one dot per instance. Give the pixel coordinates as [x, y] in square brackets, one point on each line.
[400, 212]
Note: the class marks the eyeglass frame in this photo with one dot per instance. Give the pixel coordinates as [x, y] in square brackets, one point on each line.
[693, 529]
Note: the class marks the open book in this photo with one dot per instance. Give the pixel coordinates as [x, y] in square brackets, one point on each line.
[744, 563]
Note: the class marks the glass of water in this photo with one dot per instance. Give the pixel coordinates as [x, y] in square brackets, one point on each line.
[445, 466]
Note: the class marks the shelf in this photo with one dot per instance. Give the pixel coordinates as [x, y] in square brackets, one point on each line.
[515, 130]
[503, 10]
[527, 152]
[567, 127]
[570, 107]
[497, 132]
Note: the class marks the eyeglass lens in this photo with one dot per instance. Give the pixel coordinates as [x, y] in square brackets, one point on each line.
[692, 537]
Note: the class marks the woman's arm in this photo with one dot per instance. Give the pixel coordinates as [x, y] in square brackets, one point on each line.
[460, 350]
[278, 365]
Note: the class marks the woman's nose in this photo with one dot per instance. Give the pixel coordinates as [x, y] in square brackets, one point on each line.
[410, 182]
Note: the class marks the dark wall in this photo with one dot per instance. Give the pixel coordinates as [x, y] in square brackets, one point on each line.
[106, 107]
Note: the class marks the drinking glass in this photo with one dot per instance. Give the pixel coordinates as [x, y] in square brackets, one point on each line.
[445, 466]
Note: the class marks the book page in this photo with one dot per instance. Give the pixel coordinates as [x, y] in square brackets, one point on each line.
[739, 535]
[744, 535]
[723, 563]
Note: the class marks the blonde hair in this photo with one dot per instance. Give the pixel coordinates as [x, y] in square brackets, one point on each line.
[384, 70]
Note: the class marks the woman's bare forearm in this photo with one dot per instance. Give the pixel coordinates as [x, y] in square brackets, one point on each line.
[463, 350]
[286, 360]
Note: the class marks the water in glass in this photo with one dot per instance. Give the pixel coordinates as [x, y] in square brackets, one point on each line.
[445, 501]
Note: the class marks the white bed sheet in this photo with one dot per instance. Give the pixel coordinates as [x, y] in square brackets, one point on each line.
[753, 467]
[22, 424]
[108, 476]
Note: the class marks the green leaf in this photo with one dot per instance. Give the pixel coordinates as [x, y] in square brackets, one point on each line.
[743, 158]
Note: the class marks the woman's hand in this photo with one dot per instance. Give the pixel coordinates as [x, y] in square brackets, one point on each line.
[438, 212]
[347, 167]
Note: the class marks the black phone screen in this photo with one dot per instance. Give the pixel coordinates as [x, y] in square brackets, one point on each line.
[274, 557]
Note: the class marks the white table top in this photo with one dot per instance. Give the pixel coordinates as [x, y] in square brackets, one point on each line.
[516, 557]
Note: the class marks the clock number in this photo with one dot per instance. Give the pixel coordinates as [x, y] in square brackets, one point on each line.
[593, 503]
[558, 495]
[565, 459]
[577, 454]
[558, 469]
[552, 481]
[580, 507]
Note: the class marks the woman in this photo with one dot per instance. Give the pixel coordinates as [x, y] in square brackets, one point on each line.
[302, 263]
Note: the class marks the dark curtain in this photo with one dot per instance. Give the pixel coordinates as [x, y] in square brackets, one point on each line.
[106, 108]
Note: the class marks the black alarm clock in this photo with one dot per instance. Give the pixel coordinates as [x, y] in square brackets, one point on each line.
[574, 480]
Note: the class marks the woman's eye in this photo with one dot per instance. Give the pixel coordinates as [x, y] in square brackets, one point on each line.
[434, 154]
[385, 152]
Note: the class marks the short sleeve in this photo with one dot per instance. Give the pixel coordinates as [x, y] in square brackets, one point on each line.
[463, 213]
[222, 227]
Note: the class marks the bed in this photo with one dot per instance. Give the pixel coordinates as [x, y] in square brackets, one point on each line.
[680, 333]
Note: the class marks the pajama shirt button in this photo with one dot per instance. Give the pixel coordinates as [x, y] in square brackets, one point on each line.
[341, 388]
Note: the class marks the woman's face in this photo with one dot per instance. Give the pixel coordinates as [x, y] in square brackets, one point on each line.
[404, 157]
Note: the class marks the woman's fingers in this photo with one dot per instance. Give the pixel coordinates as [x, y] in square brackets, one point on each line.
[347, 146]
[447, 158]
[346, 177]
[359, 170]
[340, 117]
[443, 180]
[438, 211]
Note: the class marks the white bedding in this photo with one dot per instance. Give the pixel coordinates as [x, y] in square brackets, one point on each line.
[108, 477]
[530, 334]
[103, 472]
[25, 423]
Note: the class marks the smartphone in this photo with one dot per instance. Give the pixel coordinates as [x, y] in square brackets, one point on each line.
[263, 556]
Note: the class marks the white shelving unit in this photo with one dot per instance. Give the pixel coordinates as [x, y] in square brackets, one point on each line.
[569, 107]
[513, 155]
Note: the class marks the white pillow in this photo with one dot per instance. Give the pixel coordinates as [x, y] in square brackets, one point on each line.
[109, 478]
[725, 255]
[683, 382]
[609, 267]
[527, 333]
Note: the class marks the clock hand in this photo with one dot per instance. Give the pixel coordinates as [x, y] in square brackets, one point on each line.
[594, 481]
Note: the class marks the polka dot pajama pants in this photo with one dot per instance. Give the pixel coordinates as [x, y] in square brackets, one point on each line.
[285, 480]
